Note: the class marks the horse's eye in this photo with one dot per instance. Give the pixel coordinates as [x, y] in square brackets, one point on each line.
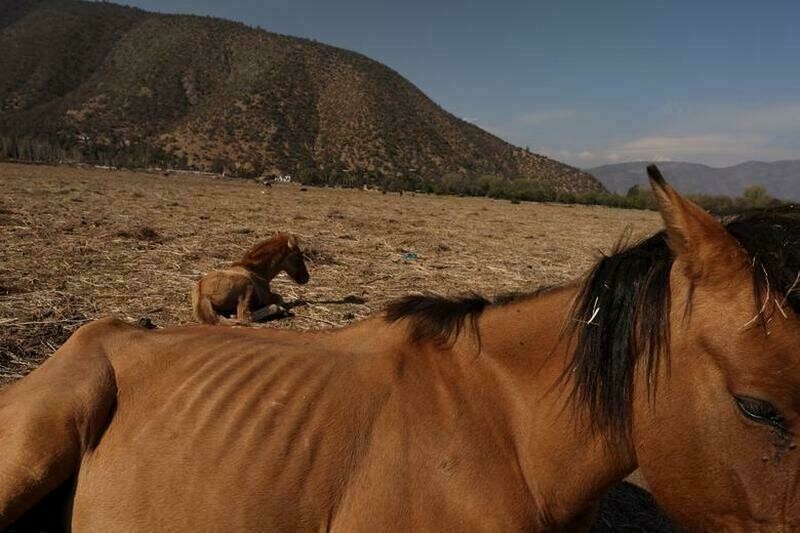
[761, 411]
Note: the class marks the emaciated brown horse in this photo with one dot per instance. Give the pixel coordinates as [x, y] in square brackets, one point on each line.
[679, 357]
[244, 286]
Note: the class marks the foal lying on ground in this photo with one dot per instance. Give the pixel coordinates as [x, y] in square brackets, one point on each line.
[244, 287]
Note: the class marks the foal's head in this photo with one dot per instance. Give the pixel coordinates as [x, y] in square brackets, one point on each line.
[710, 313]
[281, 253]
[294, 263]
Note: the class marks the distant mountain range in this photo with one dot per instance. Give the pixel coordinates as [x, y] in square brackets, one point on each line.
[103, 82]
[781, 179]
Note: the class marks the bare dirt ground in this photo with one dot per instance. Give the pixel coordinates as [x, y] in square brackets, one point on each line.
[81, 243]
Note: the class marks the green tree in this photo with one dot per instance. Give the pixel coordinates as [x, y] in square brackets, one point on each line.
[756, 196]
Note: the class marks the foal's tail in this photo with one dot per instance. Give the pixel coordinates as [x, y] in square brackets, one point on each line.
[51, 418]
[202, 310]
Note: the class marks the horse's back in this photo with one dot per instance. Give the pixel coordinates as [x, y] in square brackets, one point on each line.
[225, 429]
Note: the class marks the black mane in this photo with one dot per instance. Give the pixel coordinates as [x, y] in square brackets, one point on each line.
[437, 318]
[621, 316]
[772, 238]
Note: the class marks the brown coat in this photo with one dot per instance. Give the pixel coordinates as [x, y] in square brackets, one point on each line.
[244, 286]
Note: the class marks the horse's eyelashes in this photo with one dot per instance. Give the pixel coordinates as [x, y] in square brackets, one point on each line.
[754, 408]
[760, 411]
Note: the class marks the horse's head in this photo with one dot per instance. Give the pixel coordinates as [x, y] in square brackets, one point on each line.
[716, 438]
[294, 262]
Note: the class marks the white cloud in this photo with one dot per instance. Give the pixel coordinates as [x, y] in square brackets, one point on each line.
[711, 148]
[693, 147]
[715, 133]
[714, 143]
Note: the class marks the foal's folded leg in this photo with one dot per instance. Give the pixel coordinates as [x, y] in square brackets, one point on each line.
[243, 307]
[268, 312]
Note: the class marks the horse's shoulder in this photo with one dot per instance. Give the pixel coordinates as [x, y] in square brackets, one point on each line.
[100, 328]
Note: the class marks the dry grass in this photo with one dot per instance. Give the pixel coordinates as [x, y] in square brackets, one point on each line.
[79, 243]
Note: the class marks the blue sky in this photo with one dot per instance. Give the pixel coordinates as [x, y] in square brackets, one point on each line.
[584, 82]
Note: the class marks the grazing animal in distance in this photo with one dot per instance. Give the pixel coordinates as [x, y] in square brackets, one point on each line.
[243, 287]
[677, 355]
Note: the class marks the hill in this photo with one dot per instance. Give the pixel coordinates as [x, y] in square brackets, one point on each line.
[781, 179]
[121, 86]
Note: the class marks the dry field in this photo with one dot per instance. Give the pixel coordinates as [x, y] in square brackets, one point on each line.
[81, 243]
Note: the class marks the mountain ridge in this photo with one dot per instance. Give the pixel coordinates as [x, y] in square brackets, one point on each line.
[113, 83]
[781, 178]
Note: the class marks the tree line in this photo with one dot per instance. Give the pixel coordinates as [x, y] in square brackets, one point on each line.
[520, 190]
[143, 155]
[57, 151]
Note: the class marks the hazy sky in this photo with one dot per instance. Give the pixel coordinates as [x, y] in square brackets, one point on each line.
[586, 82]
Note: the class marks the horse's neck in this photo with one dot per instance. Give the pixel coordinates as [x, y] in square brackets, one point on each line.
[564, 464]
[268, 268]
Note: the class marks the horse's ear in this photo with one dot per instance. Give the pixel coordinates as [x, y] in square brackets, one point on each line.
[291, 242]
[698, 240]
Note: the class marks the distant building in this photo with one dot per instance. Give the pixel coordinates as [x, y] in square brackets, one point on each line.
[267, 181]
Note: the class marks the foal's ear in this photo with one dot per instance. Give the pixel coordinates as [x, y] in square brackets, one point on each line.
[697, 239]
